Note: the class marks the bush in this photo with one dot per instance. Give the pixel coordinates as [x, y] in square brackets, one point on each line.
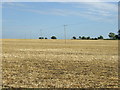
[100, 37]
[74, 37]
[53, 37]
[83, 37]
[41, 37]
[45, 37]
[79, 37]
[96, 39]
[88, 37]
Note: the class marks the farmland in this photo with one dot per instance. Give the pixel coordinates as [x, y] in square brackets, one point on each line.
[36, 63]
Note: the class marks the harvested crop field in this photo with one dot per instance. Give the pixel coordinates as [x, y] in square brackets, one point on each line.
[54, 64]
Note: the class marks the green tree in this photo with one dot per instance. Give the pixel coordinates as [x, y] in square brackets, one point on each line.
[88, 37]
[53, 37]
[100, 37]
[41, 37]
[111, 35]
[74, 37]
[83, 37]
[119, 34]
[79, 37]
[45, 37]
[96, 38]
[116, 36]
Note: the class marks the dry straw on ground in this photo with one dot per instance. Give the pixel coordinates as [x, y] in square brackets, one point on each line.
[54, 64]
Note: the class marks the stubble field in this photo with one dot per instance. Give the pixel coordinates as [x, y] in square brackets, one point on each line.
[54, 64]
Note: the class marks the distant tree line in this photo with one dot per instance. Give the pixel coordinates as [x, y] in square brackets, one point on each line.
[42, 37]
[88, 38]
[112, 36]
[52, 37]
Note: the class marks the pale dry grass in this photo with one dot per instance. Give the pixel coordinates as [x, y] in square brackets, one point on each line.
[54, 64]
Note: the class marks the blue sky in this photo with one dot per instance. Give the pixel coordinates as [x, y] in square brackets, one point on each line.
[33, 19]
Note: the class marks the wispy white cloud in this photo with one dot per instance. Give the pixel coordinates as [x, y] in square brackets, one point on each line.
[92, 15]
[98, 12]
[15, 4]
[99, 9]
[95, 11]
[103, 6]
[59, 12]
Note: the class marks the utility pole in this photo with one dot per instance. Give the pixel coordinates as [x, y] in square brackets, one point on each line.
[65, 32]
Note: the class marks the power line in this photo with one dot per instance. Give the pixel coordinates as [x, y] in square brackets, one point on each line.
[48, 28]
